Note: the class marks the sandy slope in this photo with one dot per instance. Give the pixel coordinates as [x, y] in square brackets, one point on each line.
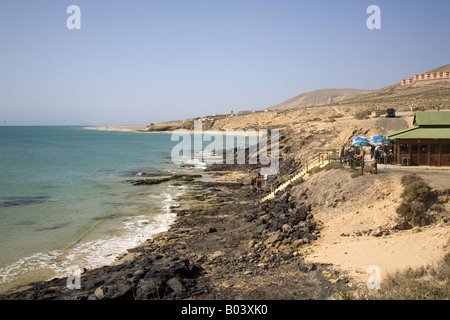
[369, 202]
[393, 253]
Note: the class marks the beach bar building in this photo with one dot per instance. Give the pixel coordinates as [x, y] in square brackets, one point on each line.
[426, 143]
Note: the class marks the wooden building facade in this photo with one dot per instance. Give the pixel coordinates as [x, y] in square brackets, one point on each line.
[426, 143]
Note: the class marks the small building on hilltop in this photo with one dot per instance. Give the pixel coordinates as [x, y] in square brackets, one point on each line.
[445, 75]
[427, 142]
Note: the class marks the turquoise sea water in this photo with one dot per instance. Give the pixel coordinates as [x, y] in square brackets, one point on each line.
[66, 201]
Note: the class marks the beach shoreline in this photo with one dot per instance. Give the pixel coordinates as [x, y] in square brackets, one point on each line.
[119, 128]
[153, 224]
[120, 258]
[145, 129]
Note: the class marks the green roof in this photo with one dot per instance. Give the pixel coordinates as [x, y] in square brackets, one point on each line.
[428, 125]
[422, 133]
[432, 118]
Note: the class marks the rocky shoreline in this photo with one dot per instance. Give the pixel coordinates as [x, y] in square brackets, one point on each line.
[224, 244]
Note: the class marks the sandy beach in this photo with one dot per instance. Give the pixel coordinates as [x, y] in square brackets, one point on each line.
[121, 128]
[233, 131]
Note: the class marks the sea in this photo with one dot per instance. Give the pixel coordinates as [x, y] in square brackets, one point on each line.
[67, 202]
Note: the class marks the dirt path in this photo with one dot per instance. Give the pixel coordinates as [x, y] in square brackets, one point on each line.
[388, 126]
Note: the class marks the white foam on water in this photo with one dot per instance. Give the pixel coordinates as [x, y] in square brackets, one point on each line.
[134, 231]
[198, 164]
[194, 160]
[96, 253]
[195, 163]
[32, 263]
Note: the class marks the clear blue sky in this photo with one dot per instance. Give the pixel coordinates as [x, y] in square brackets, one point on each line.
[142, 61]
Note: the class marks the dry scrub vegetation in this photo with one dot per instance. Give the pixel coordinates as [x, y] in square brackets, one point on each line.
[424, 283]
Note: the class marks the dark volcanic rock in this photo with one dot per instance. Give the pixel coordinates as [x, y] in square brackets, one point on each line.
[299, 214]
[147, 278]
[177, 177]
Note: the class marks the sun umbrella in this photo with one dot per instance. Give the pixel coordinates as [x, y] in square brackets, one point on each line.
[362, 143]
[374, 138]
[360, 139]
[381, 141]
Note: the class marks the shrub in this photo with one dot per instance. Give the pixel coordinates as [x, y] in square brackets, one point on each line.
[415, 195]
[410, 178]
[332, 165]
[417, 191]
[446, 259]
[430, 283]
[360, 115]
[356, 174]
[413, 212]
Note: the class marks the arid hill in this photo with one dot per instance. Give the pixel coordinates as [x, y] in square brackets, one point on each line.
[390, 94]
[319, 98]
[420, 96]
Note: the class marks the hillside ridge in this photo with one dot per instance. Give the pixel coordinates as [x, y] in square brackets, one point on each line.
[318, 98]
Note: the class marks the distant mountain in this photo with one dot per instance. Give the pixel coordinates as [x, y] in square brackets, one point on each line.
[319, 98]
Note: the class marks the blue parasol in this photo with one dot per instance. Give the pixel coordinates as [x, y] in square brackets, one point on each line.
[374, 138]
[362, 143]
[360, 139]
[379, 140]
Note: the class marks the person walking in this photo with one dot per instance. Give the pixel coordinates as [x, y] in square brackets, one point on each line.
[258, 185]
[252, 182]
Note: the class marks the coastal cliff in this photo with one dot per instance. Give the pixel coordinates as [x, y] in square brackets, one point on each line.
[314, 240]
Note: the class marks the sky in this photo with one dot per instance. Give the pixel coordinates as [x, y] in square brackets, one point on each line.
[142, 61]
